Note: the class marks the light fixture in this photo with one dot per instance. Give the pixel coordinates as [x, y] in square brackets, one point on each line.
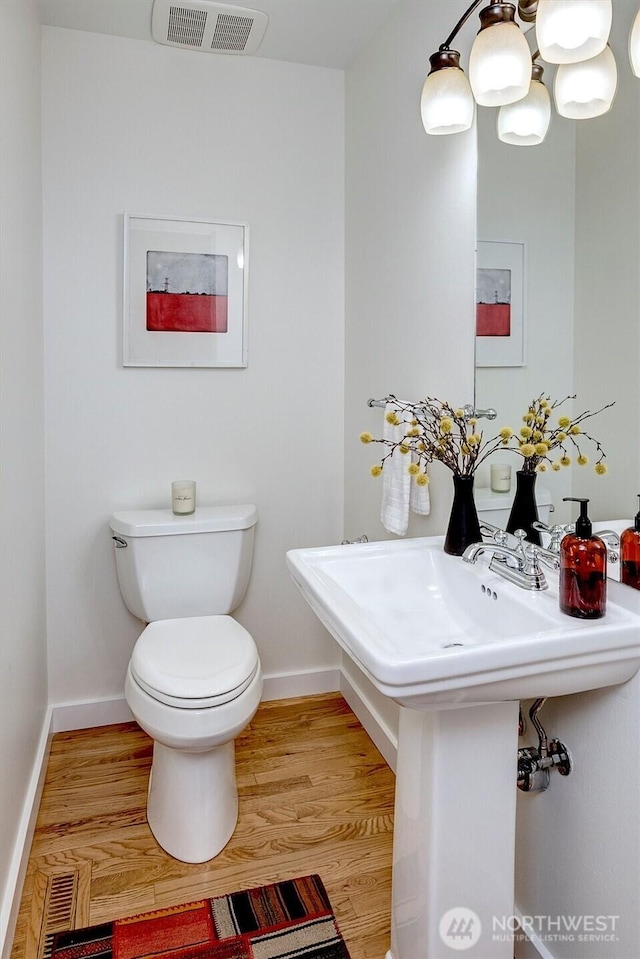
[571, 33]
[568, 31]
[500, 59]
[447, 104]
[526, 122]
[585, 90]
[634, 46]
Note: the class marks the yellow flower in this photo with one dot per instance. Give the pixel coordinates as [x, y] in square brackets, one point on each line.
[413, 431]
[422, 479]
[541, 468]
[474, 439]
[574, 430]
[564, 421]
[465, 449]
[583, 460]
[529, 417]
[565, 461]
[537, 436]
[413, 469]
[527, 449]
[526, 432]
[459, 414]
[600, 469]
[446, 424]
[505, 434]
[555, 466]
[375, 470]
[560, 436]
[541, 420]
[404, 448]
[392, 418]
[541, 449]
[366, 438]
[544, 404]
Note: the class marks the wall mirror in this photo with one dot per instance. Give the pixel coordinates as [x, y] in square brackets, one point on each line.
[572, 205]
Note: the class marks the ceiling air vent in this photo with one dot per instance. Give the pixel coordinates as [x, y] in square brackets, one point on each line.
[215, 27]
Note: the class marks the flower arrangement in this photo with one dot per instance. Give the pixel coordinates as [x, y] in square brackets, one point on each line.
[539, 437]
[435, 430]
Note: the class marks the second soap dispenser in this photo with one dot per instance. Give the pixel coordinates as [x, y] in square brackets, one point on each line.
[583, 569]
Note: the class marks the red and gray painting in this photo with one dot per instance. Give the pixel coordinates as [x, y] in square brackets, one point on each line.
[493, 303]
[187, 292]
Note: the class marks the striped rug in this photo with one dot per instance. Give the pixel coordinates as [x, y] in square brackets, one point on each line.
[285, 920]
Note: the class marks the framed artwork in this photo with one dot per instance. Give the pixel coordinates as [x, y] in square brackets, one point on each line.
[500, 304]
[185, 292]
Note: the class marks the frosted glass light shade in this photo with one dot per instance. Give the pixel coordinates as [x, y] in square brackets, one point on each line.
[634, 46]
[447, 104]
[584, 90]
[499, 65]
[526, 122]
[568, 31]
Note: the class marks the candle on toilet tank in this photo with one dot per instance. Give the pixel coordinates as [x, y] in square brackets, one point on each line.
[500, 478]
[183, 497]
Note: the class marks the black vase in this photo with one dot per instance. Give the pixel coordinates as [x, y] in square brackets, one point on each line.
[464, 527]
[524, 511]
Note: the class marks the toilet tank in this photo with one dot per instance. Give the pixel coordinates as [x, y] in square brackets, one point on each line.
[494, 508]
[172, 566]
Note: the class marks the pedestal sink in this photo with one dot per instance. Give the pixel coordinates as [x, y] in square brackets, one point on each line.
[457, 647]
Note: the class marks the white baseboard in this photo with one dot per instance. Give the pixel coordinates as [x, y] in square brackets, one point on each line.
[370, 718]
[24, 836]
[290, 685]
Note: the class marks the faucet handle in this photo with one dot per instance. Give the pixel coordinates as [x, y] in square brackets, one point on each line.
[520, 535]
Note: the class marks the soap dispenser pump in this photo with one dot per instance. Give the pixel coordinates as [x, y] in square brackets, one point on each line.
[630, 553]
[583, 569]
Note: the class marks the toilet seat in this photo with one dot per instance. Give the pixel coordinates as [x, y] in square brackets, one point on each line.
[195, 662]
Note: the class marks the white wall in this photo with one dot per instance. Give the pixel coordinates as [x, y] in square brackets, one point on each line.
[138, 127]
[23, 683]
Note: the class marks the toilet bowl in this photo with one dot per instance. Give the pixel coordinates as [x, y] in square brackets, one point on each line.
[193, 682]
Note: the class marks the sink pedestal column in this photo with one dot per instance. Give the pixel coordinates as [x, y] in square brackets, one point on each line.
[454, 833]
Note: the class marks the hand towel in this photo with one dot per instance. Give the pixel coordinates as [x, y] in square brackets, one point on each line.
[400, 492]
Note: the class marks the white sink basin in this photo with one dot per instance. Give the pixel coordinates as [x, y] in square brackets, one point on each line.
[430, 630]
[460, 645]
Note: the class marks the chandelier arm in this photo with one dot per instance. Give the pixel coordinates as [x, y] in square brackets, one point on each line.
[461, 22]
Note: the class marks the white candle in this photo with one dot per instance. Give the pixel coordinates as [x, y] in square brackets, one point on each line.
[500, 478]
[183, 497]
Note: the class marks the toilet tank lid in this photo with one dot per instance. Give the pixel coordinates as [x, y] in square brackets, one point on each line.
[486, 499]
[163, 522]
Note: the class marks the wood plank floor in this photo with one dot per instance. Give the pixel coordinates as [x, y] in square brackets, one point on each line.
[315, 797]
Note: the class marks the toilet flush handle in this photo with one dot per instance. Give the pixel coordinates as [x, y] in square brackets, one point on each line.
[120, 543]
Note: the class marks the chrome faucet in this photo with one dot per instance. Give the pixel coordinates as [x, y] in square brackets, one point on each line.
[555, 532]
[519, 565]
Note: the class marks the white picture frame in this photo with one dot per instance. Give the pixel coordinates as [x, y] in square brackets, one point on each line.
[185, 289]
[500, 303]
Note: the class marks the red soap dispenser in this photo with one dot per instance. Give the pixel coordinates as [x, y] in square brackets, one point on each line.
[583, 569]
[630, 554]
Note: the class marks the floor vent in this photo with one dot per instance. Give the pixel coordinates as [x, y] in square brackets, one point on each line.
[204, 25]
[57, 909]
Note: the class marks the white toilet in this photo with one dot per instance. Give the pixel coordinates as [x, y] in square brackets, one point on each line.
[194, 679]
